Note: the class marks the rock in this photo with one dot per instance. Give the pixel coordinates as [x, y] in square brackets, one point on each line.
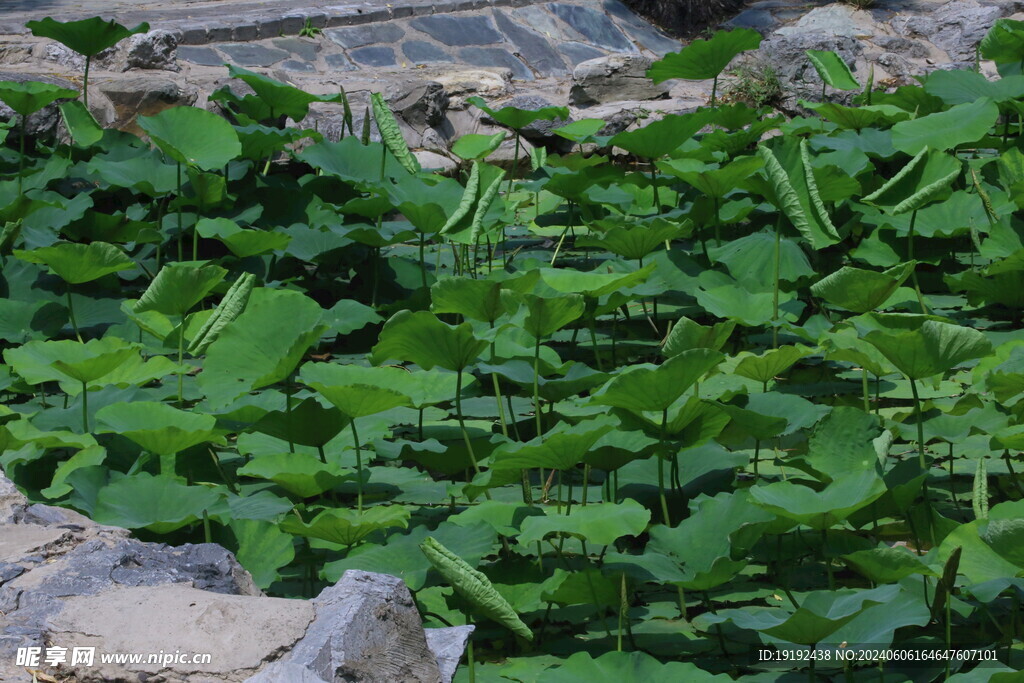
[14, 53]
[368, 34]
[68, 582]
[496, 56]
[240, 633]
[832, 20]
[613, 78]
[58, 54]
[422, 52]
[538, 131]
[579, 52]
[421, 104]
[154, 50]
[641, 31]
[252, 54]
[374, 56]
[465, 83]
[144, 96]
[44, 123]
[787, 53]
[955, 27]
[366, 629]
[303, 48]
[532, 47]
[204, 56]
[432, 161]
[458, 30]
[595, 26]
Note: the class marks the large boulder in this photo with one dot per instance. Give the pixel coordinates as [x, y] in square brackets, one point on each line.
[136, 96]
[955, 27]
[614, 78]
[421, 104]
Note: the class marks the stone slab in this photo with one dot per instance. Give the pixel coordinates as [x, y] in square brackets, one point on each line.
[374, 56]
[422, 52]
[458, 30]
[534, 48]
[595, 26]
[495, 56]
[370, 34]
[245, 54]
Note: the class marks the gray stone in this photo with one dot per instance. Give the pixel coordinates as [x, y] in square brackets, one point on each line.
[458, 30]
[154, 50]
[374, 56]
[303, 48]
[252, 55]
[531, 46]
[243, 32]
[596, 27]
[144, 96]
[538, 131]
[495, 56]
[216, 33]
[448, 644]
[641, 31]
[292, 23]
[422, 52]
[488, 84]
[194, 35]
[371, 34]
[297, 65]
[366, 629]
[955, 27]
[543, 22]
[268, 27]
[15, 53]
[579, 52]
[902, 46]
[757, 19]
[58, 54]
[832, 20]
[339, 62]
[421, 104]
[433, 161]
[615, 77]
[203, 56]
[787, 53]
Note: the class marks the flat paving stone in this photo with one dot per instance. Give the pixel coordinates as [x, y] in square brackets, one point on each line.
[297, 65]
[536, 18]
[458, 30]
[532, 46]
[204, 56]
[302, 49]
[374, 56]
[596, 27]
[369, 34]
[422, 52]
[246, 54]
[339, 61]
[495, 56]
[641, 31]
[578, 52]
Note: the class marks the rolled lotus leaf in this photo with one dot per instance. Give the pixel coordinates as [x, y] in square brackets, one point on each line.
[486, 199]
[474, 587]
[468, 197]
[230, 307]
[391, 134]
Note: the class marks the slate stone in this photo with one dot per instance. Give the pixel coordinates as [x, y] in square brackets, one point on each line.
[759, 20]
[532, 46]
[368, 34]
[641, 31]
[458, 30]
[339, 62]
[204, 56]
[543, 22]
[596, 27]
[495, 56]
[422, 52]
[245, 54]
[300, 48]
[578, 52]
[298, 65]
[374, 56]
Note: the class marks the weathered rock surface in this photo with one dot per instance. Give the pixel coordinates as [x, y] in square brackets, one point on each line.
[67, 582]
[613, 79]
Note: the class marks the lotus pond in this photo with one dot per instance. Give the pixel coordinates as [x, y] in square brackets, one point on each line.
[755, 388]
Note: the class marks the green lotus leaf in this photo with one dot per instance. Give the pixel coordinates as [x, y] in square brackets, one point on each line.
[81, 125]
[471, 298]
[842, 443]
[770, 364]
[1006, 537]
[423, 339]
[28, 97]
[545, 315]
[192, 136]
[660, 137]
[82, 363]
[157, 427]
[654, 388]
[636, 242]
[475, 147]
[886, 564]
[582, 667]
[712, 543]
[600, 523]
[281, 98]
[712, 182]
[687, 334]
[929, 347]
[89, 456]
[157, 504]
[351, 161]
[308, 424]
[923, 179]
[353, 389]
[792, 188]
[516, 118]
[961, 124]
[304, 475]
[833, 70]
[348, 527]
[262, 549]
[178, 287]
[241, 241]
[87, 37]
[1004, 45]
[581, 131]
[858, 118]
[745, 259]
[821, 614]
[560, 448]
[820, 509]
[77, 263]
[704, 59]
[262, 346]
[964, 87]
[859, 290]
